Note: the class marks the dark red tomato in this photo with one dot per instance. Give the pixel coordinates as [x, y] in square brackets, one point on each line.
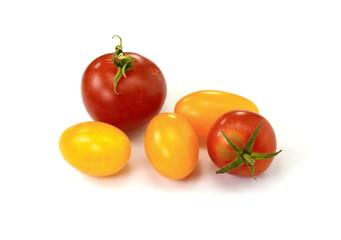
[140, 95]
[254, 143]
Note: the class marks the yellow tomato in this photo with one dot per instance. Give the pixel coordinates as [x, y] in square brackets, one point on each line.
[203, 108]
[171, 145]
[95, 148]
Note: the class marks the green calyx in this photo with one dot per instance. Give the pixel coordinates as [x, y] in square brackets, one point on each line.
[246, 155]
[122, 62]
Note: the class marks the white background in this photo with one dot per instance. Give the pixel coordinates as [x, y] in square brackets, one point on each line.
[283, 55]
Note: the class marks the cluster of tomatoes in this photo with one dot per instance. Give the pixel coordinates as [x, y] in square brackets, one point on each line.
[123, 91]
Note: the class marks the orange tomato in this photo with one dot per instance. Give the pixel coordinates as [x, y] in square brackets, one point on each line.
[203, 108]
[95, 148]
[171, 145]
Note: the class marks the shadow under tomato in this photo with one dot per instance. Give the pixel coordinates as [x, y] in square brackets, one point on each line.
[235, 183]
[136, 134]
[179, 185]
[202, 142]
[195, 175]
[117, 179]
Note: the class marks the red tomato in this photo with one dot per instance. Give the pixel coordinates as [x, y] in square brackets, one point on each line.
[139, 97]
[249, 144]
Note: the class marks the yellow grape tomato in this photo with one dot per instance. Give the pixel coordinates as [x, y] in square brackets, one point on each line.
[95, 148]
[203, 108]
[171, 145]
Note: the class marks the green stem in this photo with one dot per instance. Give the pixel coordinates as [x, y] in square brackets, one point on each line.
[248, 159]
[233, 165]
[246, 155]
[122, 62]
[234, 146]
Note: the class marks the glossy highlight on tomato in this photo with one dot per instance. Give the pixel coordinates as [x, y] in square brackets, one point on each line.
[138, 98]
[203, 108]
[171, 145]
[239, 126]
[95, 148]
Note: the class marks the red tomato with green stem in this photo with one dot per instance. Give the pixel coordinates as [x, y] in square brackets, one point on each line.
[242, 143]
[123, 89]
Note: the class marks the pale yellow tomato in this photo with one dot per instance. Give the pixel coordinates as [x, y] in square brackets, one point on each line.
[171, 145]
[95, 148]
[203, 108]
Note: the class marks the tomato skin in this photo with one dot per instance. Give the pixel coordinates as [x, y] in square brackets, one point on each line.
[202, 108]
[239, 126]
[95, 148]
[171, 145]
[143, 92]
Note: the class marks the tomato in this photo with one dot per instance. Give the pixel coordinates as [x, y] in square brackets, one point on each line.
[171, 145]
[249, 144]
[125, 102]
[202, 108]
[95, 148]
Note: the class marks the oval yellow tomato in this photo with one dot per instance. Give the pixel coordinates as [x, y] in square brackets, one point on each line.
[171, 145]
[95, 148]
[202, 108]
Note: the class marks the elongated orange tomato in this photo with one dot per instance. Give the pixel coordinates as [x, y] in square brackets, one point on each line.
[171, 145]
[203, 108]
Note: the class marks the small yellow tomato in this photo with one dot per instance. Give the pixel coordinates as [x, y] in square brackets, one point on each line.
[95, 148]
[171, 145]
[203, 108]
